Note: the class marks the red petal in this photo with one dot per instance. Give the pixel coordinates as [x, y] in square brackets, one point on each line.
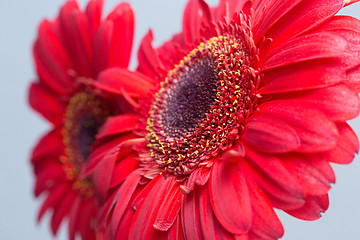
[61, 210]
[93, 15]
[52, 60]
[277, 195]
[170, 208]
[145, 215]
[268, 134]
[192, 21]
[190, 216]
[122, 198]
[53, 198]
[122, 37]
[47, 145]
[310, 176]
[268, 14]
[109, 148]
[265, 223]
[75, 27]
[305, 16]
[346, 147]
[115, 80]
[101, 45]
[312, 209]
[48, 174]
[123, 168]
[302, 76]
[275, 173]
[305, 48]
[210, 226]
[315, 130]
[338, 102]
[45, 102]
[101, 177]
[118, 124]
[73, 217]
[229, 197]
[148, 58]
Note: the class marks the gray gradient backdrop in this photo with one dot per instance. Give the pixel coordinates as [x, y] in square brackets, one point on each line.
[20, 128]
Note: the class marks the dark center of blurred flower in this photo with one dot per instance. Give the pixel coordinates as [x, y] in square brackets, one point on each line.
[84, 116]
[199, 110]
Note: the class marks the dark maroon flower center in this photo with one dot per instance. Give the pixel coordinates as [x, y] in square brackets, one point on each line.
[199, 109]
[190, 98]
[84, 116]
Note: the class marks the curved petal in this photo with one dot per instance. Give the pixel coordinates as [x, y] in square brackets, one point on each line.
[265, 222]
[269, 134]
[146, 212]
[338, 102]
[122, 36]
[229, 197]
[305, 48]
[300, 76]
[118, 124]
[312, 209]
[315, 130]
[115, 80]
[346, 147]
[304, 16]
[45, 102]
[148, 58]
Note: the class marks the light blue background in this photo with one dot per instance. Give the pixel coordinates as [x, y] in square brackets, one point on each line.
[20, 128]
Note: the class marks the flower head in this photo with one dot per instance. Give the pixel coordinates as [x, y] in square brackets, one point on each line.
[240, 113]
[69, 52]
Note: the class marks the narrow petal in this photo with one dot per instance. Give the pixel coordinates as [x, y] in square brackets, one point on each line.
[338, 102]
[45, 102]
[93, 15]
[123, 168]
[315, 130]
[190, 216]
[53, 198]
[346, 147]
[51, 58]
[312, 209]
[272, 169]
[122, 37]
[118, 124]
[302, 76]
[305, 48]
[115, 80]
[228, 191]
[61, 210]
[122, 198]
[303, 17]
[145, 215]
[265, 222]
[192, 21]
[211, 228]
[148, 58]
[170, 208]
[74, 27]
[269, 13]
[48, 145]
[268, 134]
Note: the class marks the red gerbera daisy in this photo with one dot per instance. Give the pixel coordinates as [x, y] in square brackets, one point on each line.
[69, 53]
[244, 111]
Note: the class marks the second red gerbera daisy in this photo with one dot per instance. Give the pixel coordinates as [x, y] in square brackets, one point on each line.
[69, 53]
[241, 113]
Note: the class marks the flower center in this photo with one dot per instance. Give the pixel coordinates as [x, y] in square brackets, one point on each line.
[199, 109]
[84, 115]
